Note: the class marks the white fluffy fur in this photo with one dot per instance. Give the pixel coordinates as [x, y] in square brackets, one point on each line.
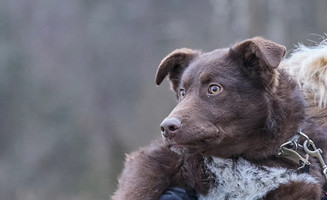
[242, 180]
[309, 66]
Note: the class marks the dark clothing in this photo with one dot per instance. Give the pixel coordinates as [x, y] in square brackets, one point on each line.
[175, 193]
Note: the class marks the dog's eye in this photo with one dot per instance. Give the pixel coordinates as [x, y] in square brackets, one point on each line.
[181, 94]
[214, 89]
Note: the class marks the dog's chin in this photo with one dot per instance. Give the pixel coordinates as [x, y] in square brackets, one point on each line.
[192, 147]
[179, 149]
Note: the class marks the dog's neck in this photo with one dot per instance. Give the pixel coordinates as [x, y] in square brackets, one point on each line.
[288, 119]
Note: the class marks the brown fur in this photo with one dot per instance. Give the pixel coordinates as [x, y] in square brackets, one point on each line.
[295, 190]
[258, 109]
[317, 114]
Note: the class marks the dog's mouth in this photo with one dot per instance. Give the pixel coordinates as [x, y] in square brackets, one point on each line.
[195, 139]
[194, 146]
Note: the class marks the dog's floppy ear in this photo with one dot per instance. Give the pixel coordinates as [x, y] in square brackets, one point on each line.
[174, 64]
[260, 58]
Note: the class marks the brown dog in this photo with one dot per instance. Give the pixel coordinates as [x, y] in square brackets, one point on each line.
[235, 110]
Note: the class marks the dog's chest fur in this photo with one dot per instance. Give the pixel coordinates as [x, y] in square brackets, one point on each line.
[240, 179]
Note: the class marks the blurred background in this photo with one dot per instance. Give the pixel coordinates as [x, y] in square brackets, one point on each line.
[77, 87]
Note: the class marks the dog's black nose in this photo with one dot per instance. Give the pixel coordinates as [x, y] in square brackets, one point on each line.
[169, 126]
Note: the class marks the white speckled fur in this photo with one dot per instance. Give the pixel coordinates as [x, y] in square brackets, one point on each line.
[242, 180]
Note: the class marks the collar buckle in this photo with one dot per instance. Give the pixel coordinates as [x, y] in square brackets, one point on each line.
[316, 153]
[289, 150]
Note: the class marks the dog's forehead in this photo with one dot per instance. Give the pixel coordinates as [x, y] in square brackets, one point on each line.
[206, 63]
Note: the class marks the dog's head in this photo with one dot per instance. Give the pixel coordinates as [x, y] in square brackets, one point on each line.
[226, 97]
